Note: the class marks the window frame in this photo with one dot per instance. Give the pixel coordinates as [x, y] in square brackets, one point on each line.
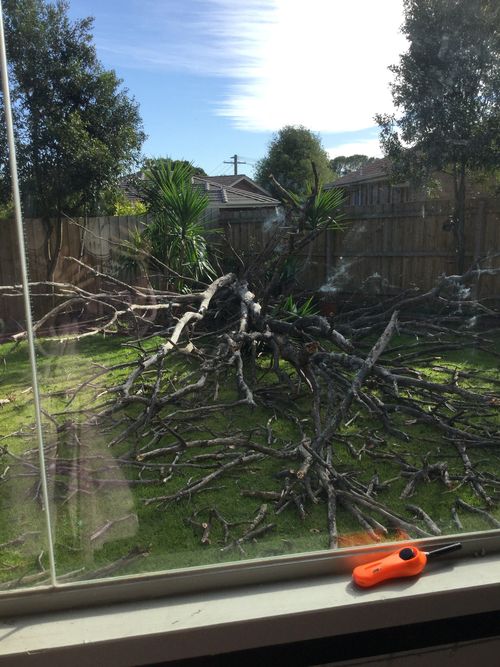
[213, 578]
[204, 580]
[209, 623]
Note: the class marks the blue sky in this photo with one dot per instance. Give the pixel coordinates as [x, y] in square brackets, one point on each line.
[218, 77]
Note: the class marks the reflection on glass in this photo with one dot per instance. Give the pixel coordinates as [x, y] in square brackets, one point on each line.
[186, 425]
[23, 544]
[235, 367]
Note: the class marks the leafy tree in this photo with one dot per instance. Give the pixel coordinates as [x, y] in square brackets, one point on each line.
[194, 170]
[289, 159]
[447, 95]
[124, 206]
[344, 164]
[76, 129]
[176, 237]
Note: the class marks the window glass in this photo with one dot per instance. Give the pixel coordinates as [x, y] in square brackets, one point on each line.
[23, 543]
[255, 353]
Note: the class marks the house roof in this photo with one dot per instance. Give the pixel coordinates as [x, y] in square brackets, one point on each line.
[372, 171]
[235, 181]
[223, 196]
[250, 194]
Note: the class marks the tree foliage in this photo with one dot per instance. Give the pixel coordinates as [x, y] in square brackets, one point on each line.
[76, 129]
[124, 206]
[447, 95]
[277, 269]
[150, 162]
[344, 164]
[289, 159]
[175, 238]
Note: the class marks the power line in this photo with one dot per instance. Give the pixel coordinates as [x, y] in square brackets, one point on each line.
[235, 162]
[250, 160]
[215, 172]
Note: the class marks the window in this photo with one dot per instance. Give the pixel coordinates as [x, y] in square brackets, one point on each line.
[177, 393]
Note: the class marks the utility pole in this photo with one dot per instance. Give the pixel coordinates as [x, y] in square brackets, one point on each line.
[235, 162]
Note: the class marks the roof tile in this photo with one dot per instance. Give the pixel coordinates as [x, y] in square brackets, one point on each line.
[223, 196]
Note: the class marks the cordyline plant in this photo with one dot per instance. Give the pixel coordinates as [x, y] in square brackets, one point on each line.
[306, 217]
[175, 239]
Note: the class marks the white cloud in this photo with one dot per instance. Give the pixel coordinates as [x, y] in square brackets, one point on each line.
[320, 63]
[370, 147]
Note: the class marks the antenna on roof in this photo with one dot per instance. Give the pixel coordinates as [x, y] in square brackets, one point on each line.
[235, 162]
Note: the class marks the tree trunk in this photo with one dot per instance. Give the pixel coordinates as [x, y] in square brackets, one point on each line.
[55, 250]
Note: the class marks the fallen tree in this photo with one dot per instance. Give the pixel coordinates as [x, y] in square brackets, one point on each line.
[340, 366]
[346, 390]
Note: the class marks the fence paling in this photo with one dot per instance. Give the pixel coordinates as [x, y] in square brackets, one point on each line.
[404, 244]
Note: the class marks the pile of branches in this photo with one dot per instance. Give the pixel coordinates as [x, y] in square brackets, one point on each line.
[241, 354]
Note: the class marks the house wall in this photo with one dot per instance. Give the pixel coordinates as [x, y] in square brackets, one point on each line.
[379, 192]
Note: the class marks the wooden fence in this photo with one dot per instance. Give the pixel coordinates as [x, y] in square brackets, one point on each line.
[382, 249]
[389, 247]
[98, 242]
[393, 247]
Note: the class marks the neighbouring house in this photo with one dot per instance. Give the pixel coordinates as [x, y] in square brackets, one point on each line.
[227, 195]
[372, 184]
[233, 203]
[240, 181]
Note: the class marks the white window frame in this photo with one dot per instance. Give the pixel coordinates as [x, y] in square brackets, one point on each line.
[293, 587]
[214, 578]
[154, 629]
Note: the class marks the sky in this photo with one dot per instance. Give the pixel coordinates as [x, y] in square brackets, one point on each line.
[214, 78]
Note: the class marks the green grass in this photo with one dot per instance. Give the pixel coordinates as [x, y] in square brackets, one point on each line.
[162, 531]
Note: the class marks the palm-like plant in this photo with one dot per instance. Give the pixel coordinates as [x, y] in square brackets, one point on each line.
[316, 210]
[323, 211]
[307, 216]
[176, 235]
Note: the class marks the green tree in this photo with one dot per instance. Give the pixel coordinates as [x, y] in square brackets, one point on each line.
[176, 236]
[77, 130]
[152, 161]
[344, 164]
[289, 159]
[123, 206]
[447, 96]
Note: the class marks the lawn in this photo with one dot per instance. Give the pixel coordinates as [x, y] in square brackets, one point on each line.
[102, 522]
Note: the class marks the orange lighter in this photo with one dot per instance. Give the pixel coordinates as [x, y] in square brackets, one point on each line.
[406, 562]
